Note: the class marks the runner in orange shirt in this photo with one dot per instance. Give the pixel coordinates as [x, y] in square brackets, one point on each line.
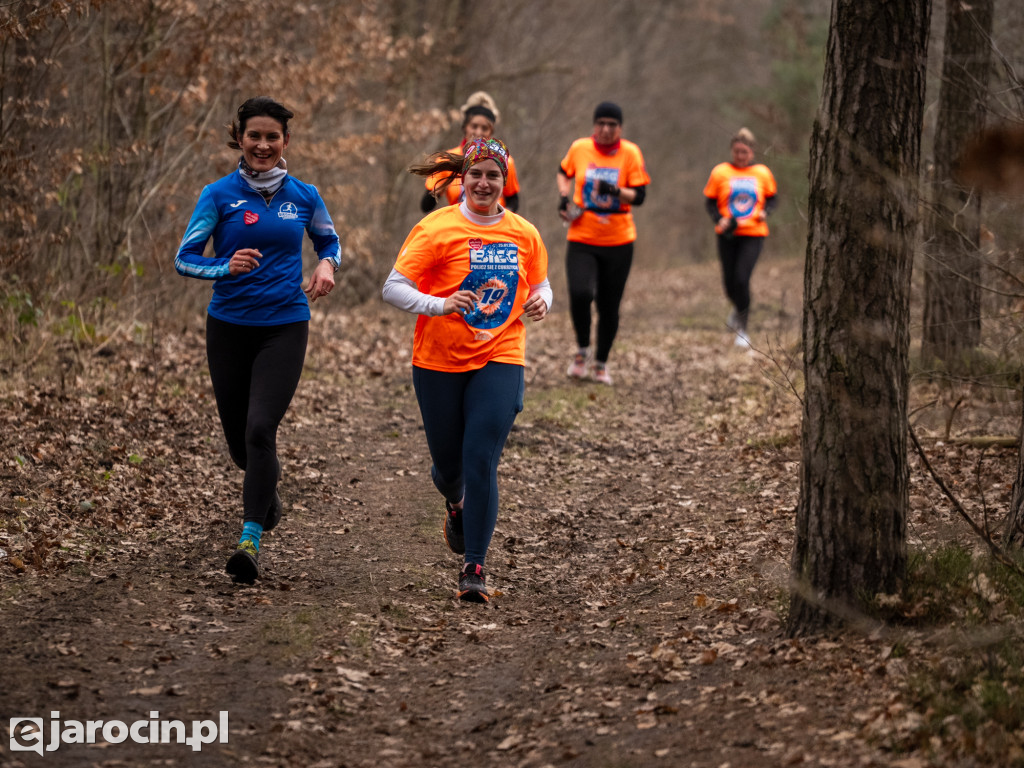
[479, 116]
[470, 272]
[600, 180]
[739, 196]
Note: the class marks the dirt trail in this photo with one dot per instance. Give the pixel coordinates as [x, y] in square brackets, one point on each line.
[638, 567]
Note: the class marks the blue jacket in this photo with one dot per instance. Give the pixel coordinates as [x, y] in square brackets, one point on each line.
[237, 216]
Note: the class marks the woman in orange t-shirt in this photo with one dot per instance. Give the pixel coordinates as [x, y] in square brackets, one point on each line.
[739, 196]
[479, 116]
[600, 180]
[470, 272]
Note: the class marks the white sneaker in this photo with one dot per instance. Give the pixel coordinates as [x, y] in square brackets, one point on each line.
[601, 375]
[578, 367]
[742, 340]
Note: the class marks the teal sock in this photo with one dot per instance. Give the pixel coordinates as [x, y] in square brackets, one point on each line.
[251, 532]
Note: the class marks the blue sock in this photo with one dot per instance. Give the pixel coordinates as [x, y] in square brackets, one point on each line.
[252, 532]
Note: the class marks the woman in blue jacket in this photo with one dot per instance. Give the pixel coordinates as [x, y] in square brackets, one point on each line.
[258, 318]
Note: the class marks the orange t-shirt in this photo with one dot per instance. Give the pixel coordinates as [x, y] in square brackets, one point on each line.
[454, 190]
[447, 252]
[605, 220]
[741, 194]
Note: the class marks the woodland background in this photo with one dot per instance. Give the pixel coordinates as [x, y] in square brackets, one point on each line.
[112, 117]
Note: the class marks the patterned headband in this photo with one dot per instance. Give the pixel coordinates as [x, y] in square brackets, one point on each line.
[478, 150]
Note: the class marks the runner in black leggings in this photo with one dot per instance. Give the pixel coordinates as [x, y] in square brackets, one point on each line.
[597, 275]
[600, 180]
[258, 318]
[738, 197]
[255, 370]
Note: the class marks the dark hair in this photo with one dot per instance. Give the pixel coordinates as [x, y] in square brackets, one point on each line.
[258, 106]
[455, 164]
[440, 162]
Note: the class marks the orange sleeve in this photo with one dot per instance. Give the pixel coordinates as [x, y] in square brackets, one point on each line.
[512, 181]
[636, 172]
[714, 182]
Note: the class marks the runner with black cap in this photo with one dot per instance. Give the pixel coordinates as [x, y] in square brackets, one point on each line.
[602, 177]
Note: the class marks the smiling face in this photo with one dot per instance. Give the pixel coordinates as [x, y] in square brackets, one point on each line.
[483, 183]
[263, 142]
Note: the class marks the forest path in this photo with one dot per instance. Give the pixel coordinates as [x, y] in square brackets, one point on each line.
[638, 568]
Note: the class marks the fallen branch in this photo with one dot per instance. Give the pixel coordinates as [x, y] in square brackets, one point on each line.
[995, 549]
[986, 441]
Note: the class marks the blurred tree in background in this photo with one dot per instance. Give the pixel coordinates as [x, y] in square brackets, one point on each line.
[952, 230]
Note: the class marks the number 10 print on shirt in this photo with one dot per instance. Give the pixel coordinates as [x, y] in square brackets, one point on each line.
[494, 278]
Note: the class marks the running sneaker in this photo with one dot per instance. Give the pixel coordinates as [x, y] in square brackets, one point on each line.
[244, 565]
[578, 367]
[601, 375]
[453, 535]
[742, 340]
[473, 584]
[273, 514]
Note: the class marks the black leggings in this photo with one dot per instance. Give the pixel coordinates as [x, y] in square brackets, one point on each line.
[738, 256]
[254, 370]
[597, 273]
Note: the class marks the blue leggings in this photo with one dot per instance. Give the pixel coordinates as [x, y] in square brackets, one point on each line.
[467, 418]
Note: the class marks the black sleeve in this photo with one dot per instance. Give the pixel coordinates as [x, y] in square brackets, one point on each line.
[711, 206]
[641, 195]
[769, 204]
[512, 202]
[428, 202]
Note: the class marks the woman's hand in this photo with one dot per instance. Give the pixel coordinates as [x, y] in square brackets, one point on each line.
[321, 281]
[535, 308]
[243, 261]
[460, 301]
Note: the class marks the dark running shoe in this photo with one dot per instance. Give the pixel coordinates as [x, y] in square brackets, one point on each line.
[273, 514]
[453, 536]
[473, 584]
[243, 565]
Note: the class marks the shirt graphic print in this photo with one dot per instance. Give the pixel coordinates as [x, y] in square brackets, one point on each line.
[595, 201]
[494, 278]
[742, 196]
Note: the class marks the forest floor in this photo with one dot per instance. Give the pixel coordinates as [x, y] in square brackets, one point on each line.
[639, 568]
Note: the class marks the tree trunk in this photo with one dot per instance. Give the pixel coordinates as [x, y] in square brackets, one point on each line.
[865, 155]
[952, 292]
